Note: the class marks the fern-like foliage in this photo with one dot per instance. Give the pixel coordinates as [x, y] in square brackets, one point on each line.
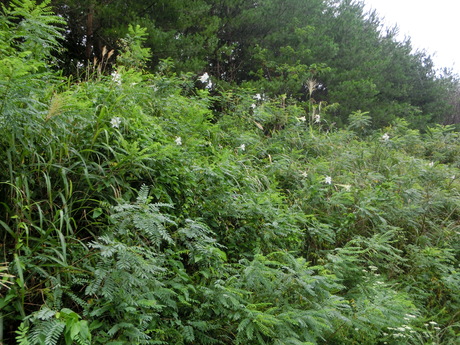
[27, 36]
[278, 298]
[47, 332]
[38, 29]
[50, 327]
[201, 246]
[311, 260]
[21, 334]
[142, 221]
[128, 282]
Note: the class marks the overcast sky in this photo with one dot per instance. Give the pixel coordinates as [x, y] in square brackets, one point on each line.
[432, 25]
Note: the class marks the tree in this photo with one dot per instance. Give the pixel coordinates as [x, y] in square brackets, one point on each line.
[275, 47]
[177, 29]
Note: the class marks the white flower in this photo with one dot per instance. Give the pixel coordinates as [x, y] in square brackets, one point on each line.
[253, 106]
[204, 78]
[209, 85]
[115, 122]
[431, 164]
[116, 77]
[317, 118]
[302, 118]
[242, 147]
[305, 174]
[328, 180]
[258, 97]
[178, 141]
[385, 137]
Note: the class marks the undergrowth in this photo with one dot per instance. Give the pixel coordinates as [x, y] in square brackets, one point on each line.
[134, 212]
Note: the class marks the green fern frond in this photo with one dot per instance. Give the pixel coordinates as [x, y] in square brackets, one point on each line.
[47, 332]
[22, 334]
[45, 313]
[143, 220]
[54, 333]
[38, 28]
[143, 197]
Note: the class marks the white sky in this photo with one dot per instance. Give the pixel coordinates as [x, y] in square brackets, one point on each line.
[431, 25]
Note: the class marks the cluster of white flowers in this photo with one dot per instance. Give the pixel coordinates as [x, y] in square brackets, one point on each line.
[242, 147]
[328, 180]
[431, 164]
[257, 97]
[116, 77]
[205, 79]
[385, 137]
[178, 141]
[408, 317]
[302, 118]
[399, 335]
[434, 324]
[317, 118]
[402, 330]
[115, 122]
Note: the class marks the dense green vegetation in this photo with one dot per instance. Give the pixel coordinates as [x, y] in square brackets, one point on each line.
[154, 198]
[274, 47]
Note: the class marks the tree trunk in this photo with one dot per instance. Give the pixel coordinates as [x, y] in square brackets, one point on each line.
[89, 31]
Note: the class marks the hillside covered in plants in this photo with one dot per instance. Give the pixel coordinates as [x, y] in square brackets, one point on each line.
[268, 179]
